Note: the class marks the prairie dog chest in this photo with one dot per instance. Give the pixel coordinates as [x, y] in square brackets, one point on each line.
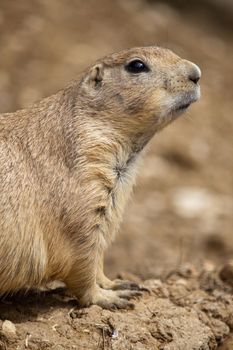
[122, 176]
[108, 172]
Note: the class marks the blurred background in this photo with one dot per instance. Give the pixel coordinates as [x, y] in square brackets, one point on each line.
[182, 211]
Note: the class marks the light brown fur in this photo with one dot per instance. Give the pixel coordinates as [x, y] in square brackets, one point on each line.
[67, 167]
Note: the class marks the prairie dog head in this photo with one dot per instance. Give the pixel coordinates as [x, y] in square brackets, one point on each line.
[141, 89]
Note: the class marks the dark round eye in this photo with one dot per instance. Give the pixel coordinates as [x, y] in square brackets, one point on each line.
[136, 66]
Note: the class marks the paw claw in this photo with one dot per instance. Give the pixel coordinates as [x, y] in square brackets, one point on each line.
[128, 294]
[122, 285]
[112, 300]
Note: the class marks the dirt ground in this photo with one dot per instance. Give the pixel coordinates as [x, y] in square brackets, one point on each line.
[177, 230]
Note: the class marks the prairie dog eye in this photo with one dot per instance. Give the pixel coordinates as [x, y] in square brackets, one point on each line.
[136, 66]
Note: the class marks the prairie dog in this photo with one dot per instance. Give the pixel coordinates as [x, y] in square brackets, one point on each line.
[68, 164]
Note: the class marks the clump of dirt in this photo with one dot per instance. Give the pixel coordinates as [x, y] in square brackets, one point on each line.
[190, 309]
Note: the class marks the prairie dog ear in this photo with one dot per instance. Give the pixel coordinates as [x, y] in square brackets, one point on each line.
[95, 76]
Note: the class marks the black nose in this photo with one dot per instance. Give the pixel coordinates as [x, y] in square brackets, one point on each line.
[194, 74]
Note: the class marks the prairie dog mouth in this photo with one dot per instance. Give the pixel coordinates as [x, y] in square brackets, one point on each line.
[182, 103]
[183, 107]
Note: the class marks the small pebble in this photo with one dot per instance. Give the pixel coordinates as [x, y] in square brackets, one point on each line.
[8, 328]
[226, 273]
[115, 334]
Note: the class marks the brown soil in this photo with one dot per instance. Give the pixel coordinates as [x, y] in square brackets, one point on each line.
[177, 231]
[191, 310]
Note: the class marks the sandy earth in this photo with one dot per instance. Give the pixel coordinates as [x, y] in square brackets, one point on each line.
[181, 213]
[191, 310]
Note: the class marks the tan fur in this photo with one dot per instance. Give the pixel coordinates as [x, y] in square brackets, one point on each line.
[67, 167]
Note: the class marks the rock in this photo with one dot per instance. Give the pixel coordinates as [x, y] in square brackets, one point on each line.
[226, 273]
[8, 329]
[191, 202]
[198, 202]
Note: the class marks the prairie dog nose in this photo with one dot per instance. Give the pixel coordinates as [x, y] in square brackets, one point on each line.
[194, 73]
